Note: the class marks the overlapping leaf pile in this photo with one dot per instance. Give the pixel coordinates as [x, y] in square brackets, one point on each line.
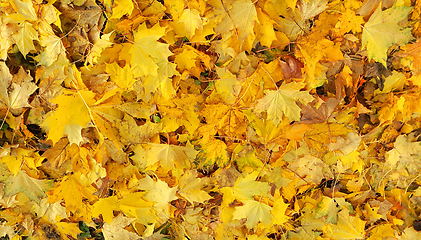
[233, 119]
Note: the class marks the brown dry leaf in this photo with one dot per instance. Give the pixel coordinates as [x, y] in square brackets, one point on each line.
[311, 114]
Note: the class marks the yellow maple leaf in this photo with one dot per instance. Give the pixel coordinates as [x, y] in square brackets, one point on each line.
[228, 120]
[191, 187]
[213, 152]
[98, 47]
[20, 157]
[382, 31]
[51, 15]
[349, 21]
[115, 230]
[50, 212]
[248, 159]
[329, 207]
[33, 188]
[146, 49]
[278, 210]
[282, 102]
[227, 86]
[311, 51]
[105, 207]
[348, 227]
[403, 153]
[245, 188]
[133, 205]
[16, 98]
[382, 231]
[25, 37]
[240, 19]
[265, 31]
[121, 8]
[25, 10]
[107, 112]
[70, 117]
[192, 21]
[68, 228]
[123, 77]
[53, 46]
[392, 82]
[265, 129]
[255, 212]
[131, 133]
[170, 156]
[186, 59]
[74, 189]
[312, 167]
[158, 192]
[162, 80]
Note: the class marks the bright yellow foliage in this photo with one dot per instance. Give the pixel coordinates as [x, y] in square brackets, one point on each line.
[232, 119]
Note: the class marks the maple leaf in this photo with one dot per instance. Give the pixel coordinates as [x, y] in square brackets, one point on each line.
[33, 188]
[70, 117]
[61, 152]
[68, 229]
[162, 81]
[213, 152]
[50, 212]
[133, 205]
[346, 145]
[348, 227]
[265, 34]
[228, 87]
[312, 52]
[240, 18]
[192, 21]
[9, 201]
[311, 114]
[20, 157]
[25, 37]
[191, 187]
[186, 59]
[392, 82]
[255, 212]
[312, 167]
[248, 159]
[98, 47]
[73, 190]
[16, 98]
[122, 8]
[158, 192]
[131, 133]
[278, 210]
[170, 156]
[282, 102]
[382, 31]
[105, 206]
[265, 129]
[53, 45]
[403, 154]
[228, 120]
[349, 21]
[329, 207]
[146, 49]
[245, 188]
[25, 10]
[115, 229]
[123, 77]
[294, 23]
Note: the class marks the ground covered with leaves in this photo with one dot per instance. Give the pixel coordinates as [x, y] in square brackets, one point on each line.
[218, 119]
